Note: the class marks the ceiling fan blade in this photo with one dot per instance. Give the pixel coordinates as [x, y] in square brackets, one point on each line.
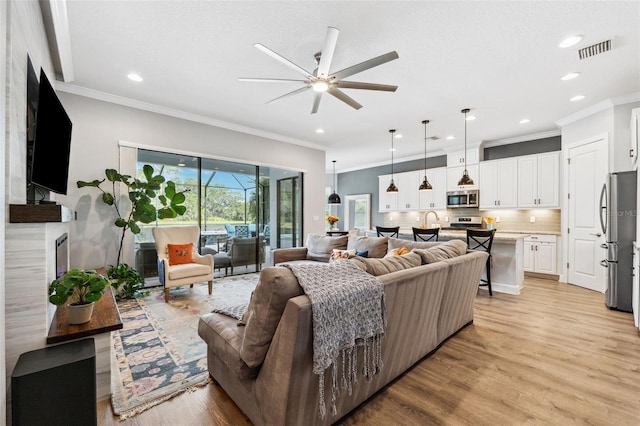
[295, 92]
[271, 80]
[365, 86]
[316, 102]
[362, 66]
[344, 98]
[327, 52]
[282, 60]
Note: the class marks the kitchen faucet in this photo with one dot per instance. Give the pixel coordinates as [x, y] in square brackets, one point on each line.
[426, 216]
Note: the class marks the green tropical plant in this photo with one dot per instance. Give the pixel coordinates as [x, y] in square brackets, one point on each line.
[83, 286]
[126, 281]
[142, 194]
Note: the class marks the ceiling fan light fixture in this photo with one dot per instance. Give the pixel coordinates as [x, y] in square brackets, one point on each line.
[392, 186]
[320, 86]
[465, 180]
[334, 198]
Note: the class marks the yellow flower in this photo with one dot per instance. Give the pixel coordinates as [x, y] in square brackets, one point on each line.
[332, 219]
[489, 219]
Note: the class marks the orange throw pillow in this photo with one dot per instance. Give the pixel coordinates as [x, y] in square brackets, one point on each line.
[180, 254]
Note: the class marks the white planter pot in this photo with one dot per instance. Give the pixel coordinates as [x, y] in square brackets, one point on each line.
[79, 314]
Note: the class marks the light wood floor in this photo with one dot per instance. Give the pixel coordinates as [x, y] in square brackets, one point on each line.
[552, 355]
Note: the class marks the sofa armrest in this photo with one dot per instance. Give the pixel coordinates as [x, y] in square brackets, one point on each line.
[288, 254]
[203, 259]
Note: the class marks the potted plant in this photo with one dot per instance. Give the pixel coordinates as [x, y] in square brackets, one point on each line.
[146, 200]
[84, 287]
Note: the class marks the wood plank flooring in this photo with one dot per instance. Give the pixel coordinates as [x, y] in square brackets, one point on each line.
[553, 355]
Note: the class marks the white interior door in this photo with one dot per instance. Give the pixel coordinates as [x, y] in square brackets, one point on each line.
[587, 172]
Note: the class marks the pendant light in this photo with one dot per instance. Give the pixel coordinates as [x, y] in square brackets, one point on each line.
[465, 180]
[334, 198]
[392, 186]
[425, 185]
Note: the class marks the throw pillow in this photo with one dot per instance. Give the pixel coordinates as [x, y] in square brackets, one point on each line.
[387, 265]
[397, 252]
[319, 247]
[362, 253]
[179, 254]
[374, 246]
[341, 254]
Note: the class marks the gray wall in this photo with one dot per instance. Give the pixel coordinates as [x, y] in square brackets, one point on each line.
[536, 146]
[365, 181]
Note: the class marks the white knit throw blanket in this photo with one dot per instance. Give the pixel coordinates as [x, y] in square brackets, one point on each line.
[348, 311]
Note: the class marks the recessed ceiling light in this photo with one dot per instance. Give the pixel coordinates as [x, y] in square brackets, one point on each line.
[470, 117]
[181, 163]
[524, 121]
[570, 41]
[570, 76]
[319, 131]
[577, 98]
[392, 149]
[450, 137]
[134, 77]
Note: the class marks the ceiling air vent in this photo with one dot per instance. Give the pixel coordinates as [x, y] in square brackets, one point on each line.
[595, 49]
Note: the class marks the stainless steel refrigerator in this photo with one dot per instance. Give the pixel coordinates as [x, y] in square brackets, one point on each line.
[618, 219]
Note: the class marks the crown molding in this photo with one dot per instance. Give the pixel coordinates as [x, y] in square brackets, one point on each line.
[523, 138]
[596, 108]
[146, 106]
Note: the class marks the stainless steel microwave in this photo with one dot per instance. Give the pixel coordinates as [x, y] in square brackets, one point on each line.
[457, 199]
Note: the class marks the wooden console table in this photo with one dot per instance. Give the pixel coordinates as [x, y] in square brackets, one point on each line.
[105, 318]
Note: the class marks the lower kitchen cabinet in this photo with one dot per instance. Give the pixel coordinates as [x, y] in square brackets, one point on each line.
[540, 254]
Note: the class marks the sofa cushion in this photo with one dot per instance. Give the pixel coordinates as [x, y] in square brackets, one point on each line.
[445, 250]
[319, 247]
[375, 246]
[275, 287]
[177, 272]
[376, 267]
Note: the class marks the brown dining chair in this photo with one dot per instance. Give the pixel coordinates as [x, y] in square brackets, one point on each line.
[388, 231]
[481, 240]
[425, 234]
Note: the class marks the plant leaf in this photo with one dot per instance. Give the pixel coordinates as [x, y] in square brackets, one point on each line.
[134, 227]
[95, 183]
[180, 209]
[120, 222]
[107, 198]
[147, 170]
[112, 175]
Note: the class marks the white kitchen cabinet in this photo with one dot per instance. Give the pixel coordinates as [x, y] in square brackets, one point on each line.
[437, 197]
[408, 184]
[635, 137]
[540, 254]
[457, 158]
[498, 184]
[455, 173]
[387, 201]
[539, 181]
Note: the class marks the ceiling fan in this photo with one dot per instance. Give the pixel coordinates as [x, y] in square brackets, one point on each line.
[320, 80]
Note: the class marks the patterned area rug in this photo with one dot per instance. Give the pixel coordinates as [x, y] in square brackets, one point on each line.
[158, 353]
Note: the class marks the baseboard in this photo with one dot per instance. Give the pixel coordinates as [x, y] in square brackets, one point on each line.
[542, 276]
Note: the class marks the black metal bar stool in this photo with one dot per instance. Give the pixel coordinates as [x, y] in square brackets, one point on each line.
[481, 241]
[425, 234]
[387, 231]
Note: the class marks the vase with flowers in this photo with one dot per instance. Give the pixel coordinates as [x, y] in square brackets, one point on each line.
[489, 222]
[332, 221]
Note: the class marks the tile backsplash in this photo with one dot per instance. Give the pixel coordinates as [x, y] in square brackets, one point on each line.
[536, 220]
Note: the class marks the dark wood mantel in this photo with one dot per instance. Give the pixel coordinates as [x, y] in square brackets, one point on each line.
[105, 318]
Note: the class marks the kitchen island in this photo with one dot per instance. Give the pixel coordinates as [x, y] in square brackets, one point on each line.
[507, 266]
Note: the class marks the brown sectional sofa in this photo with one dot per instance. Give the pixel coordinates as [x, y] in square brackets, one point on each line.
[265, 366]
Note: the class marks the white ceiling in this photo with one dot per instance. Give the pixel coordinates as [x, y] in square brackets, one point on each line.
[499, 58]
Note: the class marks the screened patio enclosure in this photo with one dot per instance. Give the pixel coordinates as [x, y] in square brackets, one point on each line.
[243, 210]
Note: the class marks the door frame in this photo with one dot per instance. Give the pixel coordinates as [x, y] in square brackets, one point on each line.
[564, 201]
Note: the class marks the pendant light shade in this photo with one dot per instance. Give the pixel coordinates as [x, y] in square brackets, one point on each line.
[465, 180]
[425, 185]
[334, 198]
[392, 186]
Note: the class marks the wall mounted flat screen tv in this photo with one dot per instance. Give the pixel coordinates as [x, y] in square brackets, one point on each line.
[49, 162]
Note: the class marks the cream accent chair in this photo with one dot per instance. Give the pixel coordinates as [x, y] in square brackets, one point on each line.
[178, 275]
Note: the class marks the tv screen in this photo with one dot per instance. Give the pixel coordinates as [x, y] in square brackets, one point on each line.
[52, 141]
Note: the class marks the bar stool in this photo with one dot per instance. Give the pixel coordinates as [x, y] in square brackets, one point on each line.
[388, 232]
[481, 241]
[425, 234]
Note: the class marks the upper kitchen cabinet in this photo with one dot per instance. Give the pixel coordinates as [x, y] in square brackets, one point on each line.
[387, 201]
[437, 197]
[408, 183]
[457, 158]
[455, 173]
[498, 184]
[539, 181]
